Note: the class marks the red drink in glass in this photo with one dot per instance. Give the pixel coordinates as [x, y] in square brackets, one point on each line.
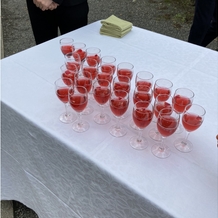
[62, 94]
[142, 117]
[191, 122]
[101, 94]
[162, 90]
[78, 102]
[119, 106]
[180, 102]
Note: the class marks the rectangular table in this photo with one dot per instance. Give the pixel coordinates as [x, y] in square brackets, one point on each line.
[60, 173]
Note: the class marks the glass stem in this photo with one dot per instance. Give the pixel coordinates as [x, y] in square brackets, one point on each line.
[186, 138]
[102, 111]
[66, 111]
[162, 147]
[139, 135]
[118, 123]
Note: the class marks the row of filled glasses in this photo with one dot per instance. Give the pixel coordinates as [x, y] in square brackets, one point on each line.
[100, 71]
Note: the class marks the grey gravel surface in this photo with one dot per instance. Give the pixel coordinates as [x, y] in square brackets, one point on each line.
[167, 17]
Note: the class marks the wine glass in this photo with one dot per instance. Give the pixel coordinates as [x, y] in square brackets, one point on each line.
[85, 79]
[108, 61]
[141, 93]
[105, 73]
[167, 123]
[161, 101]
[192, 119]
[181, 98]
[71, 74]
[144, 78]
[162, 86]
[101, 93]
[62, 87]
[92, 69]
[78, 99]
[80, 48]
[119, 102]
[72, 59]
[66, 45]
[93, 53]
[121, 83]
[125, 69]
[142, 115]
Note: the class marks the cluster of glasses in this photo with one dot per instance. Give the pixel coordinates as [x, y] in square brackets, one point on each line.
[86, 75]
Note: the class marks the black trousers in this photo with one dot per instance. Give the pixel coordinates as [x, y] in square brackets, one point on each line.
[204, 27]
[45, 24]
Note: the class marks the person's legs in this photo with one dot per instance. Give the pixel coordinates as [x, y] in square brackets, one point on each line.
[44, 24]
[212, 32]
[72, 17]
[202, 18]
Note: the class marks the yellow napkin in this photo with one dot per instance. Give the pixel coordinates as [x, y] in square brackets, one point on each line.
[116, 27]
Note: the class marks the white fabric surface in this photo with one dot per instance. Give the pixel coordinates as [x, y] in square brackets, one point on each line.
[60, 173]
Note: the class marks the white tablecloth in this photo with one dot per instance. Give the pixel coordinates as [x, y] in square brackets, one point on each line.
[60, 173]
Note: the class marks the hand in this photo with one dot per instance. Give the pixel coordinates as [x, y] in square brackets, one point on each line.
[53, 6]
[44, 4]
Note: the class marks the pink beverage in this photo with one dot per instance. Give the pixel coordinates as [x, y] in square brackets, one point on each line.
[101, 94]
[166, 125]
[191, 122]
[70, 75]
[161, 105]
[121, 86]
[84, 82]
[66, 49]
[142, 117]
[78, 102]
[144, 85]
[91, 60]
[104, 76]
[119, 106]
[105, 67]
[63, 94]
[92, 70]
[81, 53]
[162, 90]
[141, 96]
[125, 72]
[71, 66]
[180, 102]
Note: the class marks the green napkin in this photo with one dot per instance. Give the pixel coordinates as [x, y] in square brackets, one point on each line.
[111, 32]
[116, 27]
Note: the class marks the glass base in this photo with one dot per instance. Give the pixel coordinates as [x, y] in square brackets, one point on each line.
[67, 118]
[117, 131]
[160, 152]
[102, 119]
[88, 110]
[155, 135]
[183, 145]
[81, 126]
[138, 144]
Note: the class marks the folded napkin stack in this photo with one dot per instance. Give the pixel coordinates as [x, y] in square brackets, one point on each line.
[116, 27]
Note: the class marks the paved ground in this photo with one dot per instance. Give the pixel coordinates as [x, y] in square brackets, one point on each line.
[169, 17]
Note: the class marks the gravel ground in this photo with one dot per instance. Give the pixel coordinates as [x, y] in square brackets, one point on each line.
[168, 17]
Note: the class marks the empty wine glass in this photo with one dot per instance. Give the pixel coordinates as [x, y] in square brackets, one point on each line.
[125, 69]
[72, 59]
[62, 87]
[101, 93]
[66, 45]
[80, 49]
[78, 99]
[192, 119]
[144, 78]
[93, 53]
[161, 101]
[108, 61]
[85, 79]
[167, 123]
[181, 98]
[162, 86]
[119, 102]
[142, 115]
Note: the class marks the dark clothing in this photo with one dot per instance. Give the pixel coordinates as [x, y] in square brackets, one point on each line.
[204, 27]
[68, 16]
